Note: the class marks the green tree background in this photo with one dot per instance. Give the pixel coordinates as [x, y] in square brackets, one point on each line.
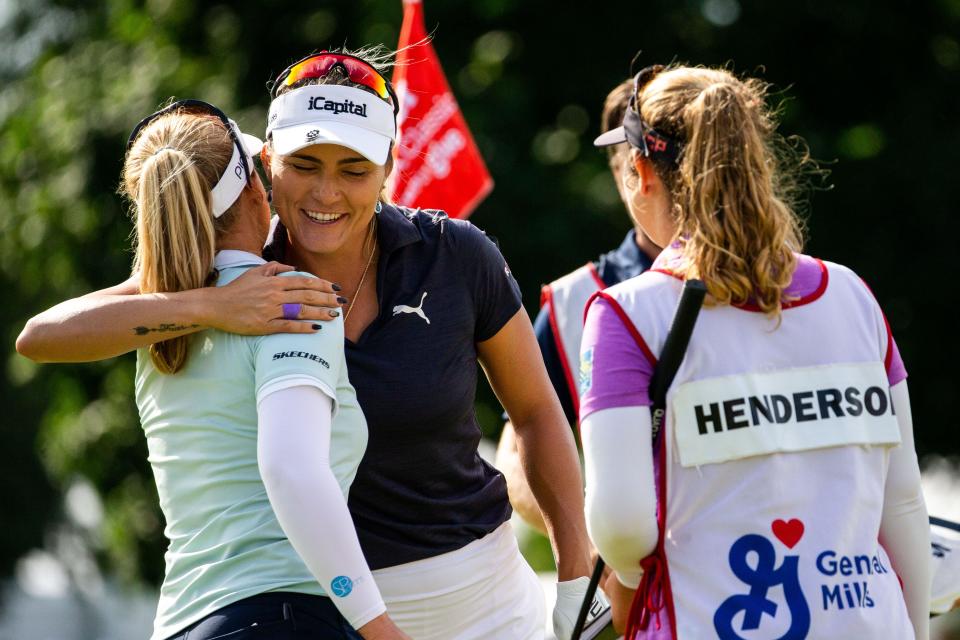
[873, 88]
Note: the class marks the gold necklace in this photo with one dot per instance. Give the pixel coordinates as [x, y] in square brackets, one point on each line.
[363, 276]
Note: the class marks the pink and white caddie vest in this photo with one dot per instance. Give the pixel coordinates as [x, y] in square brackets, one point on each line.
[567, 297]
[772, 470]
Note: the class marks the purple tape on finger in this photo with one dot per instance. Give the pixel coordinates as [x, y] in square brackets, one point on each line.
[291, 310]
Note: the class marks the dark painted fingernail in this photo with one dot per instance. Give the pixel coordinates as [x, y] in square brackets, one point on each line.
[334, 313]
[317, 327]
[342, 300]
[335, 286]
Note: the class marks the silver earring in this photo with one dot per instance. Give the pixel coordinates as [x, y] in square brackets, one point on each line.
[378, 208]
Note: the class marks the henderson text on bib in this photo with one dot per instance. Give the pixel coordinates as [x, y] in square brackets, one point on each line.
[738, 416]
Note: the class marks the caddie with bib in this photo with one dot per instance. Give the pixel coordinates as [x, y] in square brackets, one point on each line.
[772, 463]
[781, 498]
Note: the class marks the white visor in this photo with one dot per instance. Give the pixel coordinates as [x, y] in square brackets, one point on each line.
[234, 179]
[332, 114]
[614, 136]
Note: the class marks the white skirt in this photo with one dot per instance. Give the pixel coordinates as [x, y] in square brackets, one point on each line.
[485, 590]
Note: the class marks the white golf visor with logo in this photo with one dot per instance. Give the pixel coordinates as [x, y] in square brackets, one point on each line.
[332, 114]
[234, 179]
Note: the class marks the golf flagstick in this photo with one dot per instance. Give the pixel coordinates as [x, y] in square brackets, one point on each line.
[674, 348]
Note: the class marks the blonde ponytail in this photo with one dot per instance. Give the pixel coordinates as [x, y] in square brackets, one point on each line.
[739, 234]
[168, 174]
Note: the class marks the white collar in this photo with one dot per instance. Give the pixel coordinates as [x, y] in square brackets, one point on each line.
[235, 258]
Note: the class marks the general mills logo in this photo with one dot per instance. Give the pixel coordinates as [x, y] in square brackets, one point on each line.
[760, 578]
[313, 134]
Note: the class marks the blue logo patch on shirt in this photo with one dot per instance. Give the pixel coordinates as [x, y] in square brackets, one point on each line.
[586, 370]
[341, 586]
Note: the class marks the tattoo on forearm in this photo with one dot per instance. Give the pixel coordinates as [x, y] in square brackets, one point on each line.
[163, 328]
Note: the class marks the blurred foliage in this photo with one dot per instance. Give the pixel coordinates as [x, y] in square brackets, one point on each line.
[872, 87]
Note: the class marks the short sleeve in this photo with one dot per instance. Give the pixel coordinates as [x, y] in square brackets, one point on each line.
[495, 293]
[283, 360]
[896, 370]
[892, 362]
[614, 370]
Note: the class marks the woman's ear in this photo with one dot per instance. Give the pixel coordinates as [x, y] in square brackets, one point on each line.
[258, 189]
[265, 159]
[388, 166]
[254, 193]
[646, 175]
[629, 178]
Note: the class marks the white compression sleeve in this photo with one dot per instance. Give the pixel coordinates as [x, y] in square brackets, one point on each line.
[905, 527]
[621, 500]
[293, 451]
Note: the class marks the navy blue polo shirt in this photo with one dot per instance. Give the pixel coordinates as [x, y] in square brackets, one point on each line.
[623, 263]
[422, 489]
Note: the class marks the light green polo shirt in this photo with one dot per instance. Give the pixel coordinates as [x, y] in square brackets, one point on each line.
[201, 429]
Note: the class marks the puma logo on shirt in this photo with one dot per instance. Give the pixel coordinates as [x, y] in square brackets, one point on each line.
[418, 310]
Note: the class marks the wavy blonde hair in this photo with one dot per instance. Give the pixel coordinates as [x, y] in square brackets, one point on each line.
[732, 191]
[168, 175]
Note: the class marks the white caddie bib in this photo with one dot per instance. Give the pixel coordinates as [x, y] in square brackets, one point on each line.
[771, 473]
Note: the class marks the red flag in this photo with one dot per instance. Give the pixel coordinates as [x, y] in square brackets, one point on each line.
[437, 163]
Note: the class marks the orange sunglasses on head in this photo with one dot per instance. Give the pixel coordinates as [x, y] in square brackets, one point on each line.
[357, 70]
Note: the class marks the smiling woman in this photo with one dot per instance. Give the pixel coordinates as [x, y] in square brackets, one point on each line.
[331, 128]
[429, 296]
[326, 196]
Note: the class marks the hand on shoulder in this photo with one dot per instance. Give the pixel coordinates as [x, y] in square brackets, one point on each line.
[254, 303]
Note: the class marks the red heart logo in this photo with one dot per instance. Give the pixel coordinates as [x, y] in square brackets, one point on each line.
[789, 533]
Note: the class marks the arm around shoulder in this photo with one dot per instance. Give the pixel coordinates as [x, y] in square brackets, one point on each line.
[81, 329]
[114, 321]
